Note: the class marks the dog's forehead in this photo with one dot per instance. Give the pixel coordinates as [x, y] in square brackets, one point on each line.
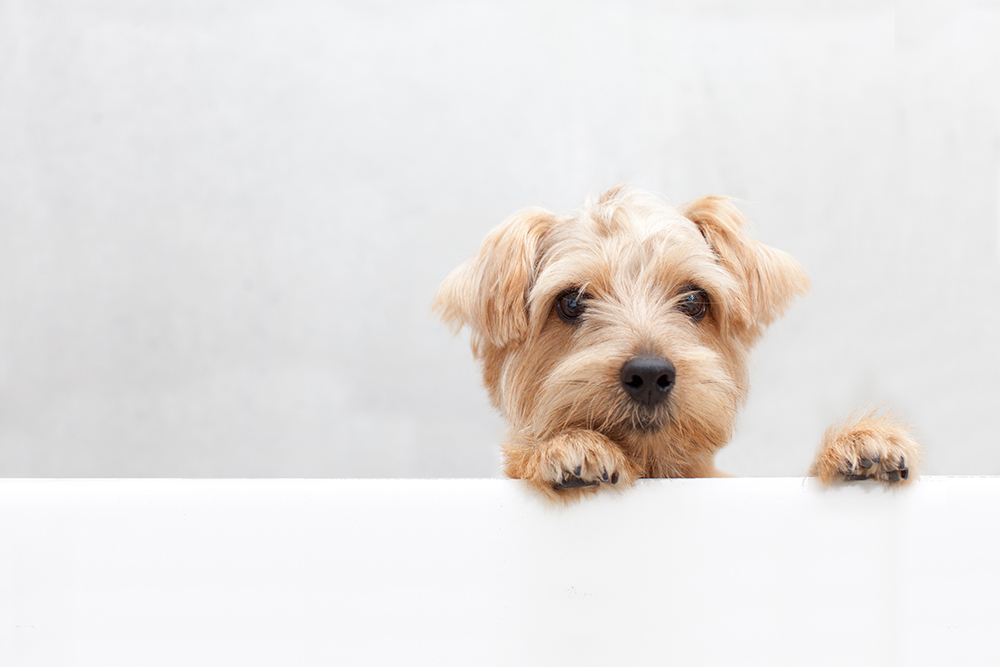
[640, 232]
[628, 247]
[646, 224]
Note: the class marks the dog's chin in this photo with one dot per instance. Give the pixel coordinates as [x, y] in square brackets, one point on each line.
[640, 423]
[646, 424]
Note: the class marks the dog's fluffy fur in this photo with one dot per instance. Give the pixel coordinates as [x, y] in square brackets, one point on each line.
[558, 305]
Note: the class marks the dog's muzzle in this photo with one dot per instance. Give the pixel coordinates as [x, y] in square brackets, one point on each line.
[648, 379]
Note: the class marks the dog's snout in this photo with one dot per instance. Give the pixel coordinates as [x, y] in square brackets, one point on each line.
[648, 379]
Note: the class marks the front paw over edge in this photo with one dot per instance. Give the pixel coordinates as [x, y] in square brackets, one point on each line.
[569, 464]
[874, 446]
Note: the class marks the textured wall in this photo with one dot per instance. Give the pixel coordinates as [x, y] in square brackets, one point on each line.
[221, 222]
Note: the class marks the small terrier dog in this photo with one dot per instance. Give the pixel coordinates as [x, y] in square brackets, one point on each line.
[615, 342]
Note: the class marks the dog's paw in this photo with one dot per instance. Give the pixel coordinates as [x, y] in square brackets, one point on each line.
[570, 464]
[874, 446]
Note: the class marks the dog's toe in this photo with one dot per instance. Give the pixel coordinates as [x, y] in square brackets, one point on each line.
[897, 472]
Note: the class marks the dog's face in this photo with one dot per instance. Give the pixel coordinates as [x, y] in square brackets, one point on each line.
[630, 318]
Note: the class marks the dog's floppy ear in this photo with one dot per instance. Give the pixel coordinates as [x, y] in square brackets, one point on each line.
[770, 277]
[489, 291]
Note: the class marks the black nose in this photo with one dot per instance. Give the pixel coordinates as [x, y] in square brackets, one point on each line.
[648, 379]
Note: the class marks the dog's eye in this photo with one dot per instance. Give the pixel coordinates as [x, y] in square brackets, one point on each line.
[694, 303]
[570, 305]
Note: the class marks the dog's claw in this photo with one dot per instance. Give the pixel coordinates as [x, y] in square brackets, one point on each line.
[862, 470]
[573, 482]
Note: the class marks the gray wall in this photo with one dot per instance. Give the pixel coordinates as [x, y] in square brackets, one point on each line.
[222, 222]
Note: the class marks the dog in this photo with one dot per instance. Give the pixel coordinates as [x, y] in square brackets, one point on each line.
[615, 342]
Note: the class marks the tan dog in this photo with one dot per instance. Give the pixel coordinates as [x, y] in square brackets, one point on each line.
[615, 342]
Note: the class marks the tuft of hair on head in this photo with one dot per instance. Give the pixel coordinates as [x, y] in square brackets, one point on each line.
[489, 292]
[618, 207]
[770, 278]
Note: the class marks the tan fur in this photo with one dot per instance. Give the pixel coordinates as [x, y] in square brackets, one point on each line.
[875, 444]
[559, 383]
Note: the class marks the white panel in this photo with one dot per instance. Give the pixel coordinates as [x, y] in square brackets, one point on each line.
[483, 572]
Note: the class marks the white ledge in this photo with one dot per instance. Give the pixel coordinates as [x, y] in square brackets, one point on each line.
[484, 572]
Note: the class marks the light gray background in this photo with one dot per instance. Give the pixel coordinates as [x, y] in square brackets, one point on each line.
[222, 222]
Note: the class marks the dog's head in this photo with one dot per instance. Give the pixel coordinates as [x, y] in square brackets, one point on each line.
[629, 317]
